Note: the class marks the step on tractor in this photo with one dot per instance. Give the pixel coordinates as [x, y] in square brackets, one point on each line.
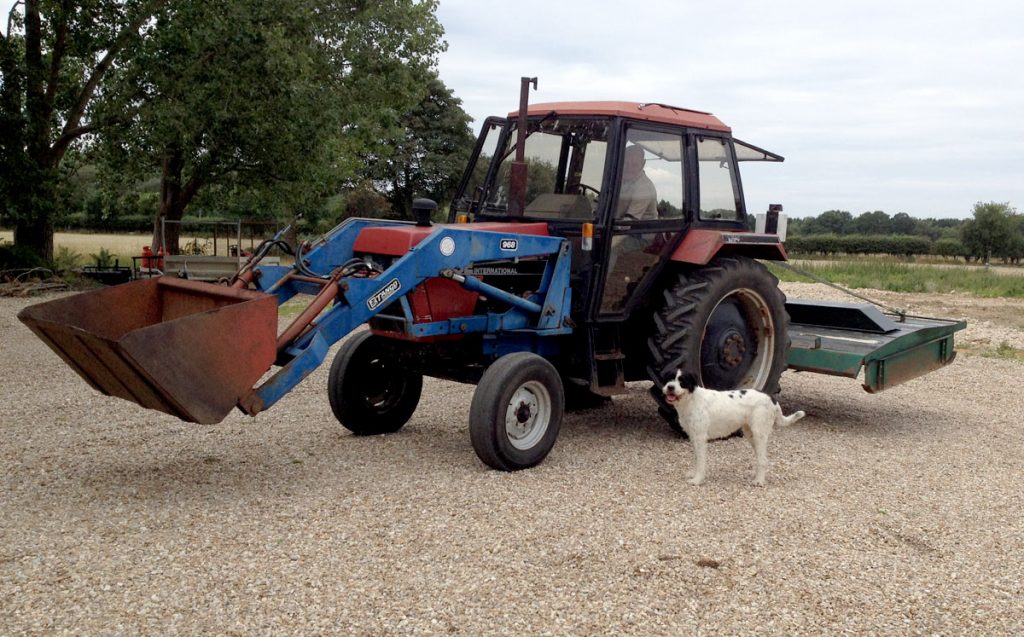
[589, 245]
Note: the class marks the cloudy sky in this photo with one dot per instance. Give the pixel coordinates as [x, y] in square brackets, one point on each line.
[901, 106]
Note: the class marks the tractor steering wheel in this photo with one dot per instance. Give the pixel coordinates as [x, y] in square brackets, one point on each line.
[581, 187]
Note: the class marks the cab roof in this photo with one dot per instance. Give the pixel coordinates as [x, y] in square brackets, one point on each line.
[662, 113]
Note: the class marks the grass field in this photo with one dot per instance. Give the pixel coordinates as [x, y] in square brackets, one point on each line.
[121, 246]
[905, 277]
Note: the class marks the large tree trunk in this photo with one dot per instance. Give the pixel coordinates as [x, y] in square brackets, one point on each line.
[36, 235]
[36, 207]
[36, 203]
[174, 198]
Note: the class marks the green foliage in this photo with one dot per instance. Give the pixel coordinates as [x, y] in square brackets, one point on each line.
[830, 244]
[877, 222]
[103, 259]
[992, 231]
[902, 223]
[365, 201]
[540, 179]
[53, 62]
[1005, 350]
[996, 231]
[256, 109]
[65, 261]
[428, 153]
[266, 108]
[904, 277]
[828, 222]
[14, 257]
[949, 248]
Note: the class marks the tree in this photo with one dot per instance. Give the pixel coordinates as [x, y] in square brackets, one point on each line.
[281, 99]
[948, 248]
[830, 221]
[991, 230]
[876, 222]
[364, 201]
[429, 153]
[55, 58]
[902, 223]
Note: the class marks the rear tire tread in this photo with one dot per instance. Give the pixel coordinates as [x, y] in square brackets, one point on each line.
[676, 324]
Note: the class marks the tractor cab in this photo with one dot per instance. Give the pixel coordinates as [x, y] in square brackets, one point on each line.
[636, 176]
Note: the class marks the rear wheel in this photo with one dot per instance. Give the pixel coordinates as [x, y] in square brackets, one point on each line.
[369, 391]
[516, 412]
[726, 323]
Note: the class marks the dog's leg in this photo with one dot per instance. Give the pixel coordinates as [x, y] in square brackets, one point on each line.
[700, 457]
[759, 440]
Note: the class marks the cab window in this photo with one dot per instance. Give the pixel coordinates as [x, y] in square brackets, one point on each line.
[565, 169]
[719, 195]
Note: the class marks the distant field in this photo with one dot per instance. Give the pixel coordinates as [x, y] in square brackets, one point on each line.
[900, 276]
[122, 246]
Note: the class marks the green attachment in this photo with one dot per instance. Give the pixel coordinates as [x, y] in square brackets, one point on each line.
[842, 339]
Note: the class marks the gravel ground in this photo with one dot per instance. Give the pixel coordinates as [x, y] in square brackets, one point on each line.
[898, 513]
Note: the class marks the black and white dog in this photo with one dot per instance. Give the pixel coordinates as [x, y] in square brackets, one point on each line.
[706, 414]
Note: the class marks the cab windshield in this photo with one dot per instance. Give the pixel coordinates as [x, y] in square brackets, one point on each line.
[565, 160]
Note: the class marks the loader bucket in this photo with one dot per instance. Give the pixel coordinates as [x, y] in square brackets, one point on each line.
[186, 348]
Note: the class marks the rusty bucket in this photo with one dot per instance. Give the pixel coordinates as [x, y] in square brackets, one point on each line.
[186, 348]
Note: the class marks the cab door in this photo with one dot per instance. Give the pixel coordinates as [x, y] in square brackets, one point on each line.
[645, 217]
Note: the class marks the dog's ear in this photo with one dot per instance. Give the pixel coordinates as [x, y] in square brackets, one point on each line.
[687, 381]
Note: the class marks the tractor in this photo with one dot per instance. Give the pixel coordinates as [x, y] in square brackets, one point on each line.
[589, 245]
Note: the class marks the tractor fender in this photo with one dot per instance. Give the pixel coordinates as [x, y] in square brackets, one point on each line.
[701, 245]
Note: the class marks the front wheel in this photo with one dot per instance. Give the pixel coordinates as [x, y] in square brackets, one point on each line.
[516, 412]
[369, 391]
[726, 324]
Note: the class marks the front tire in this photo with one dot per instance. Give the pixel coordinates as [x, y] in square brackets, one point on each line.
[369, 391]
[726, 323]
[516, 412]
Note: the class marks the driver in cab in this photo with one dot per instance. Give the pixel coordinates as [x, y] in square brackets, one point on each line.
[637, 197]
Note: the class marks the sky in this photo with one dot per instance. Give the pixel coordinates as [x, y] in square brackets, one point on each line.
[901, 106]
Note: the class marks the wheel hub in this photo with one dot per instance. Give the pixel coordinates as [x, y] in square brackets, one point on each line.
[527, 415]
[523, 413]
[735, 353]
[732, 349]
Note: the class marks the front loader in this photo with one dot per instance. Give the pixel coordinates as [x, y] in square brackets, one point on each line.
[550, 287]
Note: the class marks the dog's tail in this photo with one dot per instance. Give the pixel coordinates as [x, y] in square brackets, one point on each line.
[783, 420]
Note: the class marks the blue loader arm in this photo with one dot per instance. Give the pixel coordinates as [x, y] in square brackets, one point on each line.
[446, 252]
